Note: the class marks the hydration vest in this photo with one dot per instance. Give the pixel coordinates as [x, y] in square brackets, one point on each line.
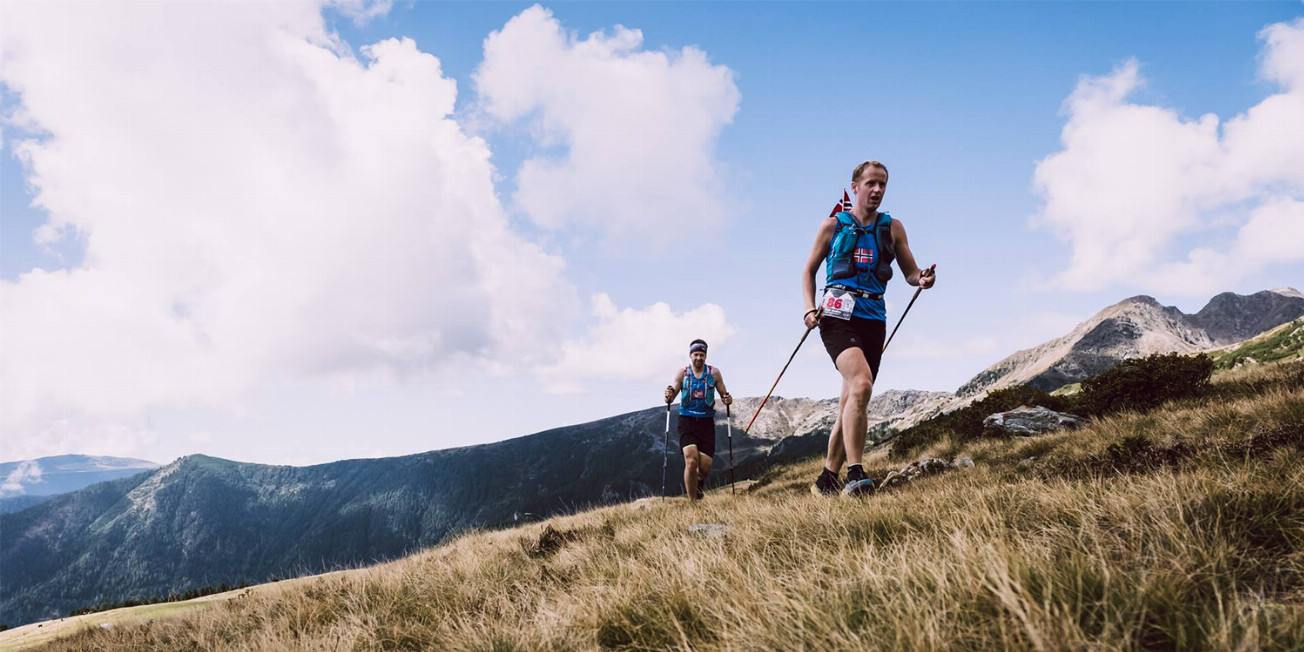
[840, 264]
[697, 398]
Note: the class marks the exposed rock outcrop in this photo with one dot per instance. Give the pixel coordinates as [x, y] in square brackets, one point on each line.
[1025, 421]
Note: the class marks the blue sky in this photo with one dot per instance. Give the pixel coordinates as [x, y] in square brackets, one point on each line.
[679, 176]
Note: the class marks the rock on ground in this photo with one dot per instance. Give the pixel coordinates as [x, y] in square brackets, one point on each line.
[1024, 421]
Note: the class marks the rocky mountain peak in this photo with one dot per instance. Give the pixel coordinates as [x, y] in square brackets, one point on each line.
[1140, 299]
[1135, 327]
[1230, 318]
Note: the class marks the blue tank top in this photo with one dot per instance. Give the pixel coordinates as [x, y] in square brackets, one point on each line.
[697, 398]
[864, 255]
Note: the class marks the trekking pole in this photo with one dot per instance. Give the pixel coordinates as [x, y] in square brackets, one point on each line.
[889, 341]
[728, 424]
[912, 302]
[776, 380]
[665, 453]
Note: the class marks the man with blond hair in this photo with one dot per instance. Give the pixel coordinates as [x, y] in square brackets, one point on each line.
[857, 248]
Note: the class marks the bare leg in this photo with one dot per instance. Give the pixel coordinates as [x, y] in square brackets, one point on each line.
[837, 452]
[704, 462]
[691, 470]
[858, 386]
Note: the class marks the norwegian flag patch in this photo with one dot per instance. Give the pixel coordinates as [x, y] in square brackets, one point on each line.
[865, 256]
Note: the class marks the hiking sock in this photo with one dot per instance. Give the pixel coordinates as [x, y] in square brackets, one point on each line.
[855, 472]
[827, 483]
[858, 484]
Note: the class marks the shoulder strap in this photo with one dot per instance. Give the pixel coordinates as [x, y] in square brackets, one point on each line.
[884, 233]
[846, 219]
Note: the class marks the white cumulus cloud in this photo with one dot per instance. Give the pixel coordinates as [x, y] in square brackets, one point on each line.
[1134, 181]
[633, 344]
[260, 206]
[638, 127]
[1274, 233]
[255, 203]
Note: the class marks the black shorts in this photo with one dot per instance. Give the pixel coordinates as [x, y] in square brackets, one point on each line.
[864, 334]
[699, 431]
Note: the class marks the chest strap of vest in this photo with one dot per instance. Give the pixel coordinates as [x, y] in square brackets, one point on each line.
[855, 292]
[689, 380]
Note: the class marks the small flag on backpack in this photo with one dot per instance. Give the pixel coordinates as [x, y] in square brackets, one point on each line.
[842, 206]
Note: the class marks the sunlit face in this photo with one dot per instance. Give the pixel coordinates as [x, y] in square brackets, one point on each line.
[870, 188]
[698, 358]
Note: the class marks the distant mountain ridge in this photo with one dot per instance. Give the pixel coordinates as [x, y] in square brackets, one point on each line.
[63, 473]
[24, 483]
[1230, 318]
[787, 417]
[1137, 327]
[201, 521]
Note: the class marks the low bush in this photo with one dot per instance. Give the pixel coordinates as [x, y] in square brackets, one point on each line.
[1139, 384]
[1145, 383]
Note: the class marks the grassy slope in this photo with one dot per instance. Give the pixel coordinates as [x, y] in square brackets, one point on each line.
[1285, 342]
[37, 634]
[1183, 528]
[34, 635]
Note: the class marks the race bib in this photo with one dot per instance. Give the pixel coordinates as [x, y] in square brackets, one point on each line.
[838, 303]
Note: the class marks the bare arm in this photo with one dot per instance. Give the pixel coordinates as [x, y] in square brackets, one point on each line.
[719, 383]
[819, 251]
[675, 387]
[906, 258]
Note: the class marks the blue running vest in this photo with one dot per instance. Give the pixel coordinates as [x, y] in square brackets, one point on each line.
[697, 398]
[859, 247]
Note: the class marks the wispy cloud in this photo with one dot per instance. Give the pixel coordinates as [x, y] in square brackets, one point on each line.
[27, 473]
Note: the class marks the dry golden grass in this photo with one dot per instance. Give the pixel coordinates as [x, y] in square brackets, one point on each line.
[1200, 547]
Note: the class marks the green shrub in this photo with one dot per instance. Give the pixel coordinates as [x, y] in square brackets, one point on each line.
[1141, 384]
